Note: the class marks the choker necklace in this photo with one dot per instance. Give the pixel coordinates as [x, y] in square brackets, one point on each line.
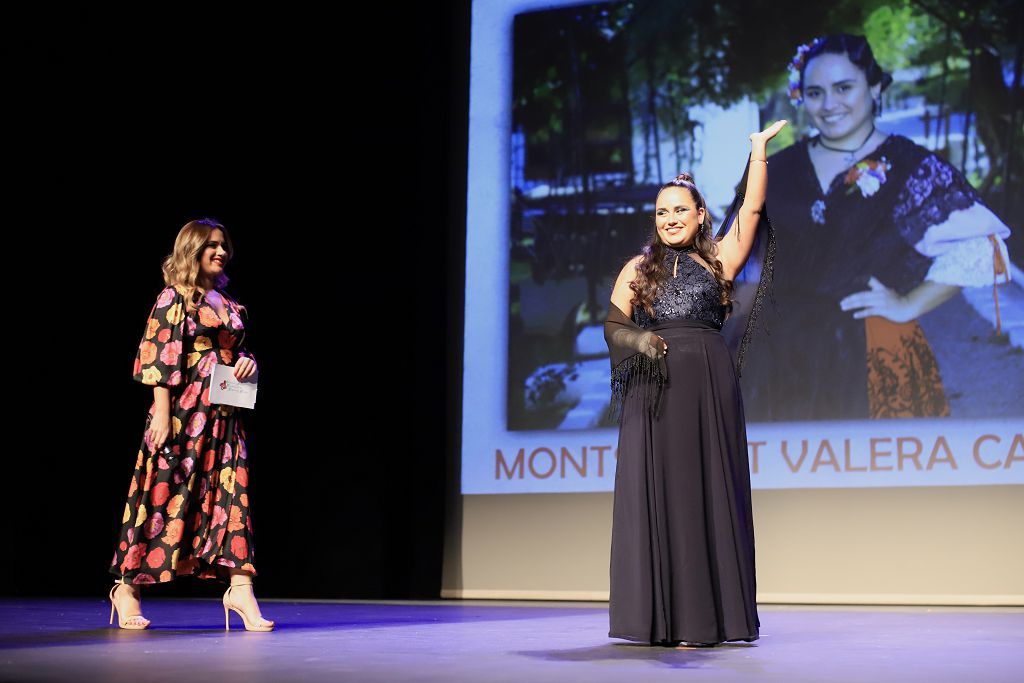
[849, 158]
[677, 251]
[682, 250]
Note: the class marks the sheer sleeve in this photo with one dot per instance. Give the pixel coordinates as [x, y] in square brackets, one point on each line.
[159, 360]
[637, 359]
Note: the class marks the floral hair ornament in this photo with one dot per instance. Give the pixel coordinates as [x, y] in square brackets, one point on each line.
[796, 65]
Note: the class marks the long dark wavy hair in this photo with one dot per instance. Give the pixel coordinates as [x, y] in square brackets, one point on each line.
[650, 273]
[857, 50]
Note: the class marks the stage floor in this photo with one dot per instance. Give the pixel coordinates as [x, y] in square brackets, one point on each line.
[485, 641]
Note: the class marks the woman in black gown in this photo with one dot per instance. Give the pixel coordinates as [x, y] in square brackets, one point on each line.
[682, 555]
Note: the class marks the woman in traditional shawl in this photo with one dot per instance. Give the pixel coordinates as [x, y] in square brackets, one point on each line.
[682, 556]
[878, 231]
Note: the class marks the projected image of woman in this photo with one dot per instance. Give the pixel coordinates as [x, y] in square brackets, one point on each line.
[188, 501]
[682, 556]
[878, 231]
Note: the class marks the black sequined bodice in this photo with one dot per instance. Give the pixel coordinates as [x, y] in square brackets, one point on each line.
[693, 293]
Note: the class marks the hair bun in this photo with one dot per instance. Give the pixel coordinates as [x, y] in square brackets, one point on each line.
[886, 79]
[683, 178]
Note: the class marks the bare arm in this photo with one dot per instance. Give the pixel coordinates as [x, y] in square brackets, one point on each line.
[162, 399]
[881, 301]
[734, 249]
[621, 293]
[160, 424]
[929, 295]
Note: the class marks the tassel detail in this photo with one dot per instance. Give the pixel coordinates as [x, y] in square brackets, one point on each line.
[763, 290]
[998, 268]
[638, 372]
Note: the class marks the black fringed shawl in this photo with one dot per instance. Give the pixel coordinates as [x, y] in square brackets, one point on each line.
[631, 368]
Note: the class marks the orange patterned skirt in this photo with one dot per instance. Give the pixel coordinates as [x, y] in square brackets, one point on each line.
[903, 376]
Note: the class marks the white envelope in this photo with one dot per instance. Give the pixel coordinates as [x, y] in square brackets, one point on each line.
[226, 390]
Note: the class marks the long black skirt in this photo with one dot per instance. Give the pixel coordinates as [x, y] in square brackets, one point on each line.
[682, 555]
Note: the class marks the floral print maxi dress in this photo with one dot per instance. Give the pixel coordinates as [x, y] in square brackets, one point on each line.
[188, 509]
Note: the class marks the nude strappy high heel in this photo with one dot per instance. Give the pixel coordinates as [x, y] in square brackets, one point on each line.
[261, 624]
[134, 622]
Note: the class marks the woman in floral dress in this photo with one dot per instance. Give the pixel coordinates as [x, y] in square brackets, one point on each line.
[188, 502]
[874, 232]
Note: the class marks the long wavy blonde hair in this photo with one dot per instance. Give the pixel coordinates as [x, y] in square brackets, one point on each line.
[181, 266]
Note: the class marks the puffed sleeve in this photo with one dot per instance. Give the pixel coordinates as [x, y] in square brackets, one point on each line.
[944, 218]
[160, 361]
[973, 262]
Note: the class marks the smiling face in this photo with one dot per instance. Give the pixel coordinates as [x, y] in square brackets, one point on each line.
[838, 98]
[677, 217]
[214, 256]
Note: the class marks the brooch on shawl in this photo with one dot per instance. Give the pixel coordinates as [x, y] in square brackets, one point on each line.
[818, 212]
[867, 175]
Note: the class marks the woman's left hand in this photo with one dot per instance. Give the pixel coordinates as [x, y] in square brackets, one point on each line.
[768, 133]
[245, 368]
[880, 301]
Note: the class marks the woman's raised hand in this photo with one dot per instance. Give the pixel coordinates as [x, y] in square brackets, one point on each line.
[769, 132]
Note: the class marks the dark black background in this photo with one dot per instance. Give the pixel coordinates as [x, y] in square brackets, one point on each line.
[334, 150]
